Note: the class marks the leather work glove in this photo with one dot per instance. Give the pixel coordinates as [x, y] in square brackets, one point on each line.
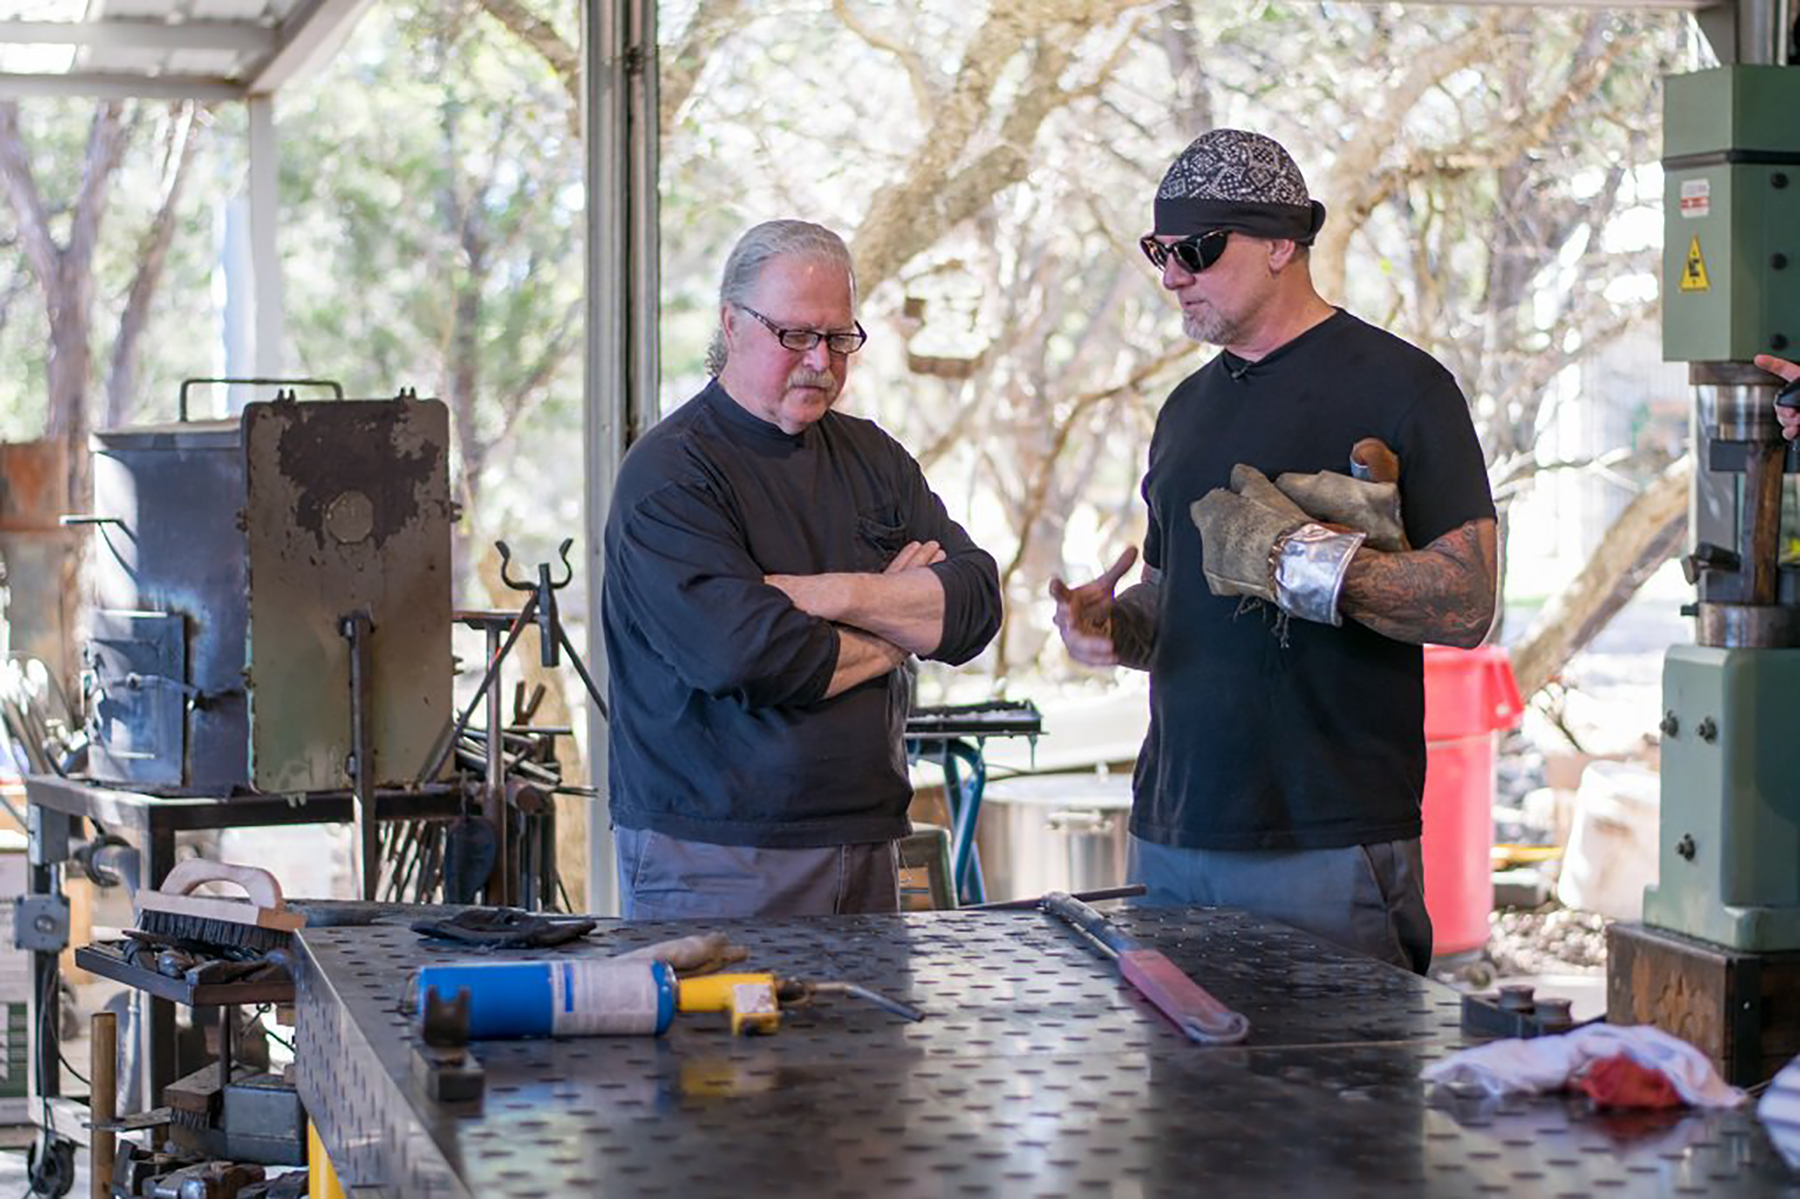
[1272, 551]
[1369, 501]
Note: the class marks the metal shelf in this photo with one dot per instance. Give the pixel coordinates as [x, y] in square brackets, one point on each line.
[104, 959]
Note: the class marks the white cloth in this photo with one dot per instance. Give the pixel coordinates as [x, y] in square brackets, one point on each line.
[1548, 1063]
[1779, 1110]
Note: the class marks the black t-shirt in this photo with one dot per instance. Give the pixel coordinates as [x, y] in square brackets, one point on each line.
[1317, 743]
[720, 728]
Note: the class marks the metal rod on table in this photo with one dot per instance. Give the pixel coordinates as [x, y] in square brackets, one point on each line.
[103, 1045]
[1128, 891]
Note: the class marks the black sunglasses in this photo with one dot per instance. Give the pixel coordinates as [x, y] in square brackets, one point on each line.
[1194, 253]
[841, 341]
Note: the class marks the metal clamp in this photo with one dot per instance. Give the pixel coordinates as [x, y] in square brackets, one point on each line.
[442, 1064]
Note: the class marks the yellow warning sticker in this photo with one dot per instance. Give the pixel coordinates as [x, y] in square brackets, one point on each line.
[1693, 271]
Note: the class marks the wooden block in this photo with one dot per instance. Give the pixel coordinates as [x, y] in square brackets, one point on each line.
[1741, 1009]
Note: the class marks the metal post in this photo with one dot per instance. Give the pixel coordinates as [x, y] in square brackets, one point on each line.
[620, 386]
[493, 792]
[356, 629]
[265, 257]
[155, 1023]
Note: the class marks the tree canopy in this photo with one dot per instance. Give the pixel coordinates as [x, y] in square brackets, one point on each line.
[1490, 174]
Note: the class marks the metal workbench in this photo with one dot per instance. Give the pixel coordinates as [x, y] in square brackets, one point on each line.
[1036, 1074]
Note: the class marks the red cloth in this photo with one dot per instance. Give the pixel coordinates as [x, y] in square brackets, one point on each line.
[1618, 1081]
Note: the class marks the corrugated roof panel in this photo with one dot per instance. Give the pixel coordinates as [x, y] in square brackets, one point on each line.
[36, 60]
[122, 60]
[43, 10]
[219, 64]
[141, 10]
[231, 10]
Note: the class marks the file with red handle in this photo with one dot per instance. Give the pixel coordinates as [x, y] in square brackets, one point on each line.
[1195, 1011]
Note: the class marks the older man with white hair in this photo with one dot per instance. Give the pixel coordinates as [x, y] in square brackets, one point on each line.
[773, 566]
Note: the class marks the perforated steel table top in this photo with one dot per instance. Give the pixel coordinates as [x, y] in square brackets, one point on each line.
[1036, 1073]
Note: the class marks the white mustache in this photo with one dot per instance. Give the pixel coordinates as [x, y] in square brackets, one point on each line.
[801, 376]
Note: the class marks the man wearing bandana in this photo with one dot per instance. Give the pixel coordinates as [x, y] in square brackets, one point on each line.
[1318, 510]
[773, 567]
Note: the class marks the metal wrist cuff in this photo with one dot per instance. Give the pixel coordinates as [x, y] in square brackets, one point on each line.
[1309, 571]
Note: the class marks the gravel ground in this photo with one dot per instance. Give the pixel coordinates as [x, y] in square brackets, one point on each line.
[1547, 940]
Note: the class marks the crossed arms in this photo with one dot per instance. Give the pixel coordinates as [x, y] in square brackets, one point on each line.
[880, 619]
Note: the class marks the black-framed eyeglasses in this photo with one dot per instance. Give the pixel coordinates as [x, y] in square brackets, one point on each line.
[838, 342]
[1194, 253]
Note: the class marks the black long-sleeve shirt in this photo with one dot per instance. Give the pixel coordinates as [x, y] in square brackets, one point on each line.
[720, 731]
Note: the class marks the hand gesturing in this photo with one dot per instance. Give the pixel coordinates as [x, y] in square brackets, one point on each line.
[1084, 614]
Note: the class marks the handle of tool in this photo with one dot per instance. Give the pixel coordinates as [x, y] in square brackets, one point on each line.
[1192, 1007]
[716, 992]
[261, 886]
[1090, 921]
[103, 1045]
[1789, 396]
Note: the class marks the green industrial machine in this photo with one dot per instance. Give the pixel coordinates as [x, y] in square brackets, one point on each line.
[1717, 957]
[1731, 205]
[1730, 840]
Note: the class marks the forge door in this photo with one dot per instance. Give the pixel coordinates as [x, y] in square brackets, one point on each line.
[348, 510]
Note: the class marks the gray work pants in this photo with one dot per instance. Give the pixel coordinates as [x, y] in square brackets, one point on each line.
[664, 878]
[1369, 898]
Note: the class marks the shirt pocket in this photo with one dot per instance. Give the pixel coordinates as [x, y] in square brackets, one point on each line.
[879, 536]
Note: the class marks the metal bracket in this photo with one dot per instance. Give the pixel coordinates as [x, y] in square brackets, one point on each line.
[41, 923]
[442, 1064]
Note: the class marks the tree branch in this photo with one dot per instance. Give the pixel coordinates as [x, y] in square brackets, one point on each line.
[681, 65]
[1649, 530]
[1354, 185]
[918, 74]
[564, 58]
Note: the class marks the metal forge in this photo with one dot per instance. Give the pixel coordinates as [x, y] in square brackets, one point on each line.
[1717, 959]
[269, 642]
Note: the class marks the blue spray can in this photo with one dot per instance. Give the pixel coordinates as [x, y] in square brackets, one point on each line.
[565, 997]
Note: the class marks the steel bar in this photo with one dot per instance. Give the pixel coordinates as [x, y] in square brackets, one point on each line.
[502, 880]
[356, 629]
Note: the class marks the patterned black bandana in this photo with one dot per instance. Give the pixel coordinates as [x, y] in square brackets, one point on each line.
[1231, 179]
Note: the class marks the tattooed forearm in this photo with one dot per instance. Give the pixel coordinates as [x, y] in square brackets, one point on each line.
[1134, 621]
[1442, 594]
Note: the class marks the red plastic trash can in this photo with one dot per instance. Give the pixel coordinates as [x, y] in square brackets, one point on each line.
[1470, 694]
